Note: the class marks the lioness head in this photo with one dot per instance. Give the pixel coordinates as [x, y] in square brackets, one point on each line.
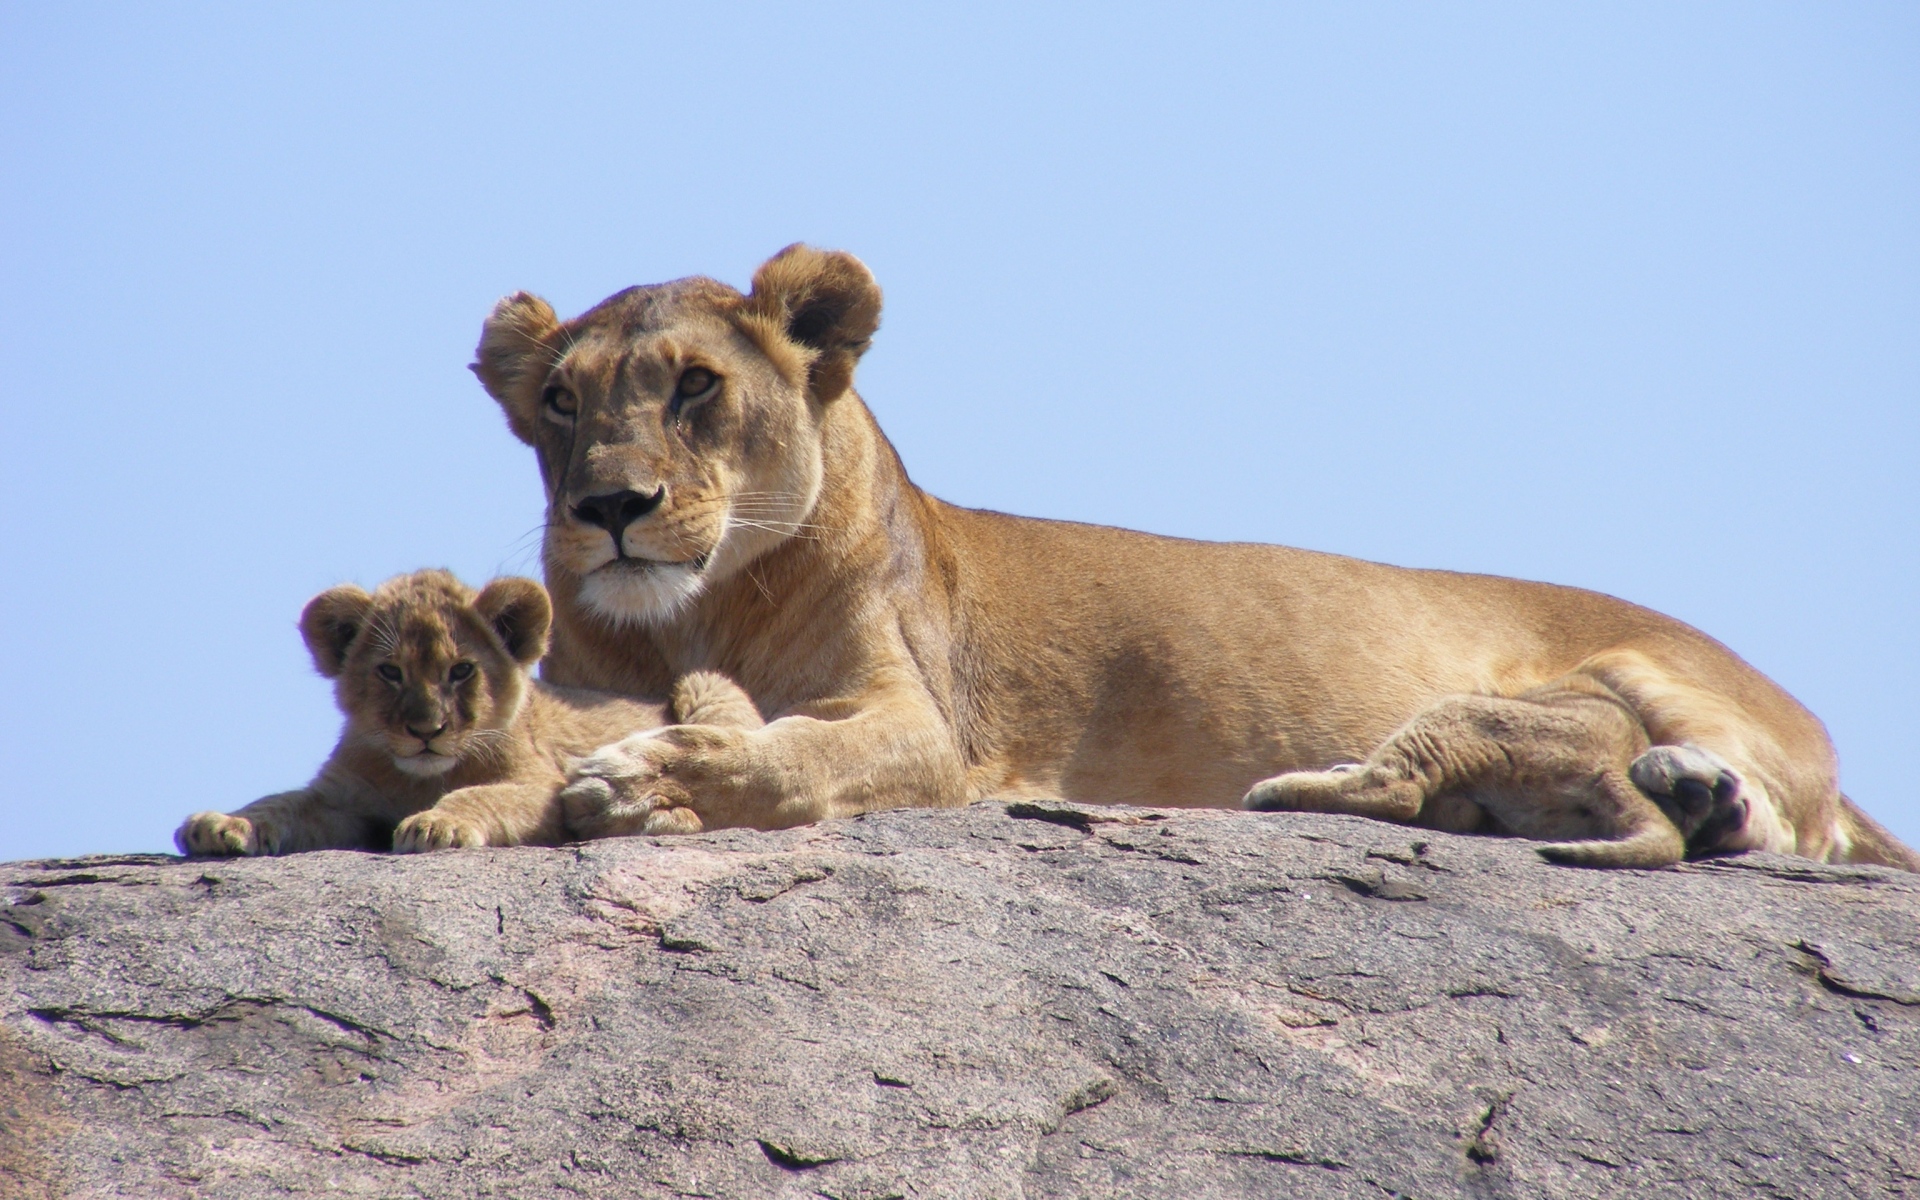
[425, 668]
[678, 425]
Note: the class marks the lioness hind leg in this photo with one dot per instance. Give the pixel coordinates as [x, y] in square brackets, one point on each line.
[1550, 764]
[1463, 752]
[1699, 791]
[1433, 755]
[1363, 790]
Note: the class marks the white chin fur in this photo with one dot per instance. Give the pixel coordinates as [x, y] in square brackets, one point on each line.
[425, 764]
[641, 595]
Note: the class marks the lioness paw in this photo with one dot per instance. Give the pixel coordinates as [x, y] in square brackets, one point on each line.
[592, 808]
[437, 830]
[589, 807]
[217, 833]
[663, 821]
[646, 783]
[632, 757]
[1699, 791]
[707, 698]
[598, 806]
[1300, 791]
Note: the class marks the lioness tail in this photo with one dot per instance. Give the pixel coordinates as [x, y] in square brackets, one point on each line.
[1870, 842]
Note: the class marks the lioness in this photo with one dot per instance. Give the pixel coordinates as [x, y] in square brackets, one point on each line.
[720, 499]
[447, 741]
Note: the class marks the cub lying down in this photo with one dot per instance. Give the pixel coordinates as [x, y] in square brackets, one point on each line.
[448, 740]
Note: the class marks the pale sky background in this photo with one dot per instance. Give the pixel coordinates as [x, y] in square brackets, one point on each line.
[1622, 296]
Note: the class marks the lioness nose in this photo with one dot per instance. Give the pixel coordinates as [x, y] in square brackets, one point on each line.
[617, 510]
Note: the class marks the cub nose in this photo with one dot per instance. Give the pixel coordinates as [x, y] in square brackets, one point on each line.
[425, 734]
[615, 511]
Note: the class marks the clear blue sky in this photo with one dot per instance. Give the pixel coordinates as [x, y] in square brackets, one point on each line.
[1622, 296]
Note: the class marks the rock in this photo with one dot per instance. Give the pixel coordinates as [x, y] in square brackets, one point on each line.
[1026, 1000]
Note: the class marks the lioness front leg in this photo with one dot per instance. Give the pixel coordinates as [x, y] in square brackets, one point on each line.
[494, 814]
[797, 770]
[646, 783]
[700, 698]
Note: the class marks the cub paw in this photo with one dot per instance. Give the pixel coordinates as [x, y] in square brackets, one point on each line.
[437, 830]
[206, 833]
[1698, 790]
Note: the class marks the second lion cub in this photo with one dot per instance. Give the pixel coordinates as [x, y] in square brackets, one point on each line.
[448, 740]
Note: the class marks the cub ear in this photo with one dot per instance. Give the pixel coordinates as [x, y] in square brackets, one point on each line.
[827, 301]
[514, 357]
[519, 611]
[330, 622]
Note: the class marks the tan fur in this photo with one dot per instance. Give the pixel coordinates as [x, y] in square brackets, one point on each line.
[1554, 762]
[487, 752]
[719, 499]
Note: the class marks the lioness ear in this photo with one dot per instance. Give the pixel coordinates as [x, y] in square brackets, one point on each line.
[519, 611]
[514, 357]
[827, 301]
[330, 622]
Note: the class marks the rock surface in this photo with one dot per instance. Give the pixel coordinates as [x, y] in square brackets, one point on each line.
[1026, 1001]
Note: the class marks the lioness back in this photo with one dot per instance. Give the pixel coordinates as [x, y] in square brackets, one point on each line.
[1224, 635]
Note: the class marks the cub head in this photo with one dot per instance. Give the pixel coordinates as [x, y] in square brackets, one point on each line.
[426, 669]
[678, 426]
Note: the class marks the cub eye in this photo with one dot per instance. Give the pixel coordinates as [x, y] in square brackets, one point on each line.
[459, 671]
[560, 401]
[389, 672]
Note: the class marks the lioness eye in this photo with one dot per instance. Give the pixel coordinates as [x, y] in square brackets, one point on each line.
[459, 671]
[560, 400]
[694, 382]
[389, 672]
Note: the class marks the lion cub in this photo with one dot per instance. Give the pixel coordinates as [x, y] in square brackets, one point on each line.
[448, 740]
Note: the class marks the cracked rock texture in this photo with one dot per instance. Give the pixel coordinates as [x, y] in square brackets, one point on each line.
[997, 1001]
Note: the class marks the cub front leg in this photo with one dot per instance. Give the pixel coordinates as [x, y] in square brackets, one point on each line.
[304, 819]
[225, 834]
[495, 814]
